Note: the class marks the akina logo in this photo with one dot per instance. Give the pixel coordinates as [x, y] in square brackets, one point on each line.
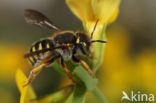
[137, 97]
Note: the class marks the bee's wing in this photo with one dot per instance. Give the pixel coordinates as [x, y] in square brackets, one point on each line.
[37, 18]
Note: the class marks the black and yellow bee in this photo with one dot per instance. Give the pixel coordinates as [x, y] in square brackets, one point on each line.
[63, 44]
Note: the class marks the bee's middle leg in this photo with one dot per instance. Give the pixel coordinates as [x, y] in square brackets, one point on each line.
[67, 71]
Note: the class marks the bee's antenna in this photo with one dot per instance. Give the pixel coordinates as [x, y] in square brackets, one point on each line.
[94, 29]
[100, 41]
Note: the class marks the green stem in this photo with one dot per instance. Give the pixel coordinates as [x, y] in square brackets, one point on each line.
[79, 94]
[99, 54]
[99, 96]
[98, 60]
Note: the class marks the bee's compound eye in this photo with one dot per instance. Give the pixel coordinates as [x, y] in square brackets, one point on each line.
[84, 48]
[83, 44]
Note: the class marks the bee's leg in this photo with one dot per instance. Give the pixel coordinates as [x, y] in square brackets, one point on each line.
[33, 74]
[84, 64]
[36, 70]
[67, 71]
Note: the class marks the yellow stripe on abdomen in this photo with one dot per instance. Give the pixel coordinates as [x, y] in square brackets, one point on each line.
[48, 46]
[40, 46]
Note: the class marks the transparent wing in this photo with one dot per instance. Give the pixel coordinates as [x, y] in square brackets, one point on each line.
[36, 18]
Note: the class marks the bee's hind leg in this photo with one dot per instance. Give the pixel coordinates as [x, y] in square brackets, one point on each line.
[33, 74]
[36, 70]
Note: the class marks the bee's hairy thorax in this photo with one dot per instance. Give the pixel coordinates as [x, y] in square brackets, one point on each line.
[67, 38]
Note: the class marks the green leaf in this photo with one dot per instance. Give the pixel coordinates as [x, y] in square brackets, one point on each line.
[89, 81]
[99, 96]
[79, 94]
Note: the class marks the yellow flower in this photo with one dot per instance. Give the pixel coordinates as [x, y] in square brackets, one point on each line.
[89, 11]
[28, 95]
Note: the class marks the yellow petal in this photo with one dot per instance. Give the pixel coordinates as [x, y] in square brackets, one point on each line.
[20, 80]
[26, 92]
[104, 9]
[89, 28]
[114, 16]
[82, 9]
[91, 10]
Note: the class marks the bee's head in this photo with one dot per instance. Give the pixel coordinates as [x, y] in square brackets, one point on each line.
[84, 42]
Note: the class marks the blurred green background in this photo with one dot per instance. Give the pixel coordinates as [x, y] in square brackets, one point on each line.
[130, 54]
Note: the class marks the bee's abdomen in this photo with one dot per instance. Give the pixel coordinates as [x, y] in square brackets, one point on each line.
[39, 46]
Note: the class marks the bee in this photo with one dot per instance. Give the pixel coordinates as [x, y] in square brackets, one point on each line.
[63, 44]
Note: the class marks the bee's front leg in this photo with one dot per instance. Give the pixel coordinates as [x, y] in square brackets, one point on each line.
[84, 64]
